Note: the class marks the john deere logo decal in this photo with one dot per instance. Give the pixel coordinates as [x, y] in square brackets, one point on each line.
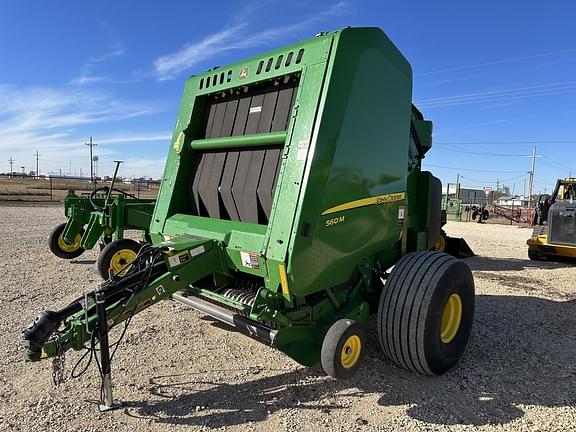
[375, 200]
[243, 73]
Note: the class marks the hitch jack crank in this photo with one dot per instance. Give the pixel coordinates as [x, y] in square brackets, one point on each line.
[106, 400]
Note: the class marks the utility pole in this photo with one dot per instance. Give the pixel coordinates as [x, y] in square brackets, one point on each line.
[11, 163]
[531, 182]
[457, 186]
[524, 191]
[37, 172]
[91, 144]
[23, 170]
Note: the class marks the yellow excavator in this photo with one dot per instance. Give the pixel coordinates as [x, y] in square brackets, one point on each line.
[554, 235]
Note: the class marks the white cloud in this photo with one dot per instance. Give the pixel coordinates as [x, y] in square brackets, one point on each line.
[114, 51]
[45, 108]
[129, 139]
[88, 79]
[55, 121]
[191, 54]
[87, 75]
[236, 37]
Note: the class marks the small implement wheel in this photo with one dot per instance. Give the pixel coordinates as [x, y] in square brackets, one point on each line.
[116, 257]
[440, 245]
[343, 349]
[59, 247]
[426, 311]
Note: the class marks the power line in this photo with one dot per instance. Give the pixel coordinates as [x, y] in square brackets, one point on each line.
[496, 62]
[562, 87]
[506, 142]
[544, 183]
[554, 166]
[445, 147]
[558, 164]
[472, 169]
[494, 182]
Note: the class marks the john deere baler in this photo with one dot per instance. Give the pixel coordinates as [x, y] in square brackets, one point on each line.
[292, 206]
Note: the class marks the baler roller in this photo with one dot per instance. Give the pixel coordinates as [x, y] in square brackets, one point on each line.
[242, 296]
[252, 140]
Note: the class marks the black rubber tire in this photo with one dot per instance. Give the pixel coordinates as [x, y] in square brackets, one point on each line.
[105, 257]
[55, 247]
[536, 256]
[333, 344]
[411, 308]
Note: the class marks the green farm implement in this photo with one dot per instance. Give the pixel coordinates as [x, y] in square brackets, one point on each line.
[103, 216]
[292, 206]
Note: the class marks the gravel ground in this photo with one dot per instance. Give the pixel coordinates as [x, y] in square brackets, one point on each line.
[176, 370]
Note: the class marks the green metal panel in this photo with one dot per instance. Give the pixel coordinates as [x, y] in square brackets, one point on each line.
[359, 151]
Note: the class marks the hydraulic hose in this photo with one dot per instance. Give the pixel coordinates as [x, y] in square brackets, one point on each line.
[105, 189]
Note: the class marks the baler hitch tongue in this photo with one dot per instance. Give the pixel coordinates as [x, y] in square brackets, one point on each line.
[36, 334]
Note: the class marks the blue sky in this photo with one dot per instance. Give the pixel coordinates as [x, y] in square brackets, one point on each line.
[495, 77]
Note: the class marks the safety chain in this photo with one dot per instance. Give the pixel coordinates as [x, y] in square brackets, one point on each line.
[58, 365]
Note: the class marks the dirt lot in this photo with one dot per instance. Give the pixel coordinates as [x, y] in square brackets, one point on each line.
[176, 370]
[43, 191]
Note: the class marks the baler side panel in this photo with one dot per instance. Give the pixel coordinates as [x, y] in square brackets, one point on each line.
[369, 101]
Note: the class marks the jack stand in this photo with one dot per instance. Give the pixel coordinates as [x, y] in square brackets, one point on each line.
[106, 400]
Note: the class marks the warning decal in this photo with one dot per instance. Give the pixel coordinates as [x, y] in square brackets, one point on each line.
[250, 260]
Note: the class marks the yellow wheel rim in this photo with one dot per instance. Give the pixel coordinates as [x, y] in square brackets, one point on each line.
[440, 245]
[120, 260]
[351, 351]
[69, 247]
[451, 318]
